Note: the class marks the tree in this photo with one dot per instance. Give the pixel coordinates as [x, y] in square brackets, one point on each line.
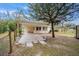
[3, 26]
[52, 12]
[70, 25]
[19, 18]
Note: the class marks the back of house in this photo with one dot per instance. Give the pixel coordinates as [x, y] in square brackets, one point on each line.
[36, 27]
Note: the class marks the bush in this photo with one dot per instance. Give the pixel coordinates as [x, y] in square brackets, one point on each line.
[3, 27]
[7, 25]
[12, 26]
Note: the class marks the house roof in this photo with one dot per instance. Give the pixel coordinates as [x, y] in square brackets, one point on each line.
[36, 22]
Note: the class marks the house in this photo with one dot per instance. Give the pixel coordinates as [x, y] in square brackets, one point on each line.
[36, 26]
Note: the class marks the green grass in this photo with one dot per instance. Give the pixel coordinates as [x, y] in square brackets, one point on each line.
[67, 33]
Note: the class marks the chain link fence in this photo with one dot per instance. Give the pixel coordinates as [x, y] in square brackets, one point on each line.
[4, 45]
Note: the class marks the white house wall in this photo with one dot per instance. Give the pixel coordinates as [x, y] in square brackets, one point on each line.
[25, 26]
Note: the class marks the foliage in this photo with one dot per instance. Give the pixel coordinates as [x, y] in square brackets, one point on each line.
[3, 27]
[7, 25]
[70, 25]
[12, 25]
[53, 12]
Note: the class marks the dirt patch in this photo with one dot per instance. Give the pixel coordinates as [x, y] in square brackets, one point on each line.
[60, 47]
[39, 53]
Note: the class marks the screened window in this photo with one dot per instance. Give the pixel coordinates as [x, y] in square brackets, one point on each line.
[45, 28]
[38, 28]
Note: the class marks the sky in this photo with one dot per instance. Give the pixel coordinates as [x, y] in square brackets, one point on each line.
[12, 7]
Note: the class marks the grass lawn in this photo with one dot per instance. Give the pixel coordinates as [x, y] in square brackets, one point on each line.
[67, 33]
[59, 46]
[3, 34]
[4, 43]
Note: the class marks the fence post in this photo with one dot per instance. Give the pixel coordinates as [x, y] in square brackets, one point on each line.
[16, 29]
[19, 30]
[15, 33]
[76, 32]
[10, 43]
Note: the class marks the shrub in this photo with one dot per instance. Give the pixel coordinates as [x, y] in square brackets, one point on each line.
[12, 26]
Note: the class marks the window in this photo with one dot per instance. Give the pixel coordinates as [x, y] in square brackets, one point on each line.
[38, 28]
[45, 28]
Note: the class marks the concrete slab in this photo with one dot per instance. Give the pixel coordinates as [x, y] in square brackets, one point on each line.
[43, 42]
[29, 44]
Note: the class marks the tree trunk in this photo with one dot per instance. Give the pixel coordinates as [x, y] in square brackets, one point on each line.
[15, 35]
[53, 34]
[10, 43]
